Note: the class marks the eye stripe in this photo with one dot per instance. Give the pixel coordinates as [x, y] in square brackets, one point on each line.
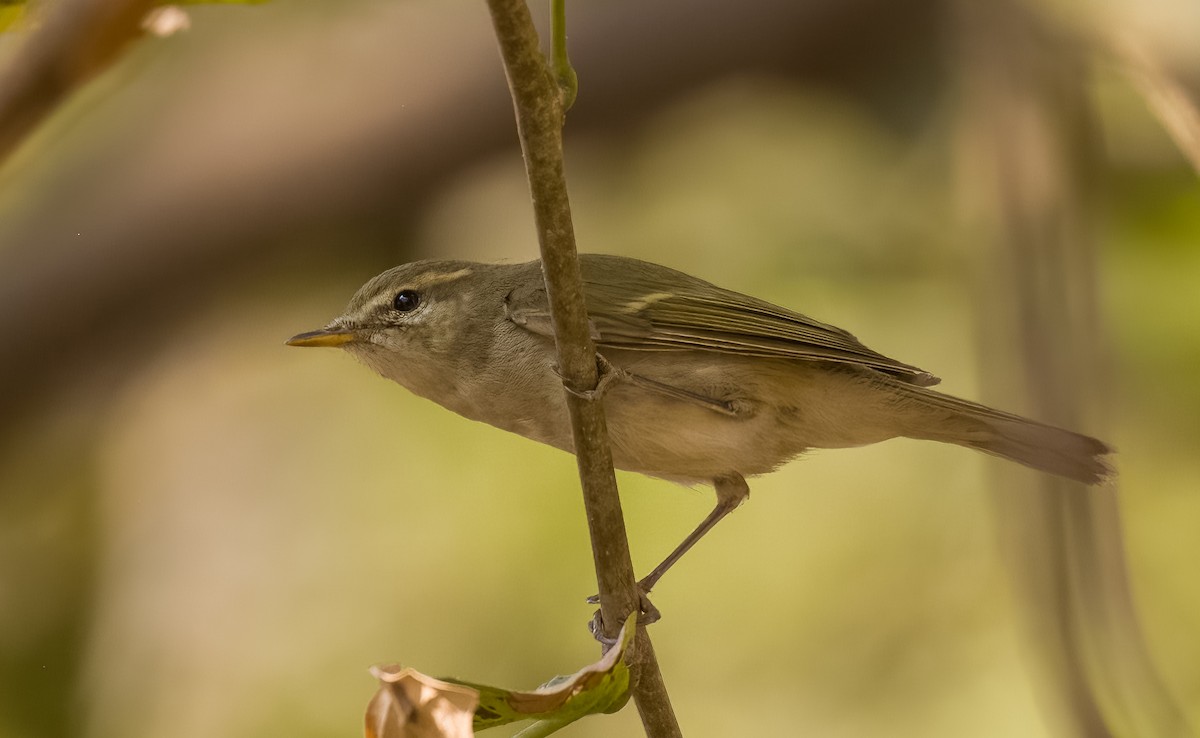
[428, 280]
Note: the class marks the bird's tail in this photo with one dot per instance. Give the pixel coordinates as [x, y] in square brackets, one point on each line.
[940, 417]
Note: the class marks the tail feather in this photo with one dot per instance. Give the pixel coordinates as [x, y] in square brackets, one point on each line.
[1037, 445]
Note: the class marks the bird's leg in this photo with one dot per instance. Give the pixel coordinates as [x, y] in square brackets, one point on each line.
[732, 491]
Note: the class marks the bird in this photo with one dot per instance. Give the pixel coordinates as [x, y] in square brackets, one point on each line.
[701, 384]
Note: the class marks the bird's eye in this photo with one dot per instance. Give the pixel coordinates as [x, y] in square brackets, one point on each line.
[406, 301]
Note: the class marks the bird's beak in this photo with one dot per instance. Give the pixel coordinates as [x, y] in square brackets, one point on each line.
[330, 338]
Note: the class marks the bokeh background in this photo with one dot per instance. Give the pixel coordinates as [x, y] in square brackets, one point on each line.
[205, 533]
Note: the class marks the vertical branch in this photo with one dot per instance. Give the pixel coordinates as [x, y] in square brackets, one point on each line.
[1029, 154]
[539, 113]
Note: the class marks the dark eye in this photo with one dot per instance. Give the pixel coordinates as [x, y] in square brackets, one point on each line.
[406, 301]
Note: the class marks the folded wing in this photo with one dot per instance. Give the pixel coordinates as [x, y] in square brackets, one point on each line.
[653, 308]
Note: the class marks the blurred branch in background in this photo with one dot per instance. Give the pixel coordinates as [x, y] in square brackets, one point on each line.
[1030, 160]
[1177, 108]
[224, 139]
[74, 41]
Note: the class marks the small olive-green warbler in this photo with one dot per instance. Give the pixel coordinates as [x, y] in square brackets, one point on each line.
[709, 385]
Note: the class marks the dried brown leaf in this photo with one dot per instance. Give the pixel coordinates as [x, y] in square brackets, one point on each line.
[410, 704]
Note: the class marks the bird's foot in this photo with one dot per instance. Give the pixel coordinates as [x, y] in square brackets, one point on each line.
[596, 628]
[606, 376]
[647, 614]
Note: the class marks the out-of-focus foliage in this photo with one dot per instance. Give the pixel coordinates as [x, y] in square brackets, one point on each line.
[214, 535]
[10, 15]
[13, 12]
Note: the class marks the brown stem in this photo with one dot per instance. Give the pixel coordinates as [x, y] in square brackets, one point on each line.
[539, 111]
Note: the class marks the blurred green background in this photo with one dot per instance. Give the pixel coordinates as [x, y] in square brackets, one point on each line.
[205, 533]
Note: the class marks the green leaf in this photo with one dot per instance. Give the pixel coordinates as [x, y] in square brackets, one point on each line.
[599, 687]
[410, 704]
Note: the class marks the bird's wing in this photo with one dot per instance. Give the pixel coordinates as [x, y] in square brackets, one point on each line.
[635, 312]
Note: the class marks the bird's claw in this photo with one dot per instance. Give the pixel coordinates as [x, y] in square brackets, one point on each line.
[647, 614]
[606, 376]
[596, 628]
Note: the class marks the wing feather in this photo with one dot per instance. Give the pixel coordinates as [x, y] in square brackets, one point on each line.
[654, 308]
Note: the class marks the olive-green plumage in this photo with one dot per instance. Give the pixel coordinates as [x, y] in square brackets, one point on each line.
[707, 385]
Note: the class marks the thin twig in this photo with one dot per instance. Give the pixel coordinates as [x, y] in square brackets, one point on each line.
[539, 112]
[568, 81]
